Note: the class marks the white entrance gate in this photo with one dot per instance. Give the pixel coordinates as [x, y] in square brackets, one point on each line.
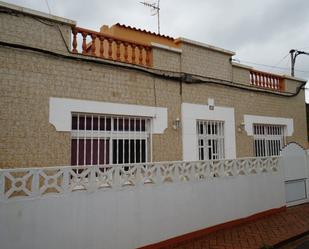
[296, 174]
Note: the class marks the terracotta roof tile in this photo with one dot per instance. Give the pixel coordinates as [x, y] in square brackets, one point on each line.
[143, 30]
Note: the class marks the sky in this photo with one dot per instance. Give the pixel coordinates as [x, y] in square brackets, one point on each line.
[261, 32]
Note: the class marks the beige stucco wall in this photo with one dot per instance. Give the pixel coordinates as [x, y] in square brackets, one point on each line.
[166, 60]
[34, 31]
[28, 79]
[241, 75]
[245, 102]
[206, 62]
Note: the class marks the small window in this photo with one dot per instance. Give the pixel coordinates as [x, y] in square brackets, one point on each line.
[103, 139]
[268, 139]
[210, 139]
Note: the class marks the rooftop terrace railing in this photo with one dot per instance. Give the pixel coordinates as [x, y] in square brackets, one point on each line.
[266, 80]
[110, 47]
[25, 183]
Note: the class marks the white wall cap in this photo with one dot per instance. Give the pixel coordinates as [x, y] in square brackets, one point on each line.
[204, 45]
[236, 64]
[37, 13]
[157, 45]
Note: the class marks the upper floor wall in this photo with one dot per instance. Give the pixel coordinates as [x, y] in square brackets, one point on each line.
[134, 46]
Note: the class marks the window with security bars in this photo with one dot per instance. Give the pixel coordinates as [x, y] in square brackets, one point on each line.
[106, 139]
[268, 139]
[210, 139]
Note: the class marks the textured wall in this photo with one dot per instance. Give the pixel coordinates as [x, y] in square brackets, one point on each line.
[35, 32]
[246, 102]
[202, 61]
[241, 75]
[28, 79]
[27, 82]
[166, 60]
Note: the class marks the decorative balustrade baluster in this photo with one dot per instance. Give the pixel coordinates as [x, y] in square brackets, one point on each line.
[113, 49]
[84, 45]
[93, 48]
[101, 38]
[140, 58]
[74, 43]
[126, 52]
[148, 56]
[110, 48]
[118, 50]
[267, 81]
[133, 53]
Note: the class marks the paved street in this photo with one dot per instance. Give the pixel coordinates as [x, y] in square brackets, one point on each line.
[265, 231]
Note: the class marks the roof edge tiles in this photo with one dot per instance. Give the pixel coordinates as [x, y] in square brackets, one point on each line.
[144, 31]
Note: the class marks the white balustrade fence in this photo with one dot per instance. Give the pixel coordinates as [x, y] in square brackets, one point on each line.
[26, 183]
[131, 205]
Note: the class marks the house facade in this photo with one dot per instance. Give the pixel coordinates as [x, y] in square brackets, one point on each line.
[71, 96]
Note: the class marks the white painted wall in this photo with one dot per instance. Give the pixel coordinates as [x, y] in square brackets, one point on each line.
[193, 112]
[129, 218]
[249, 120]
[60, 112]
[296, 174]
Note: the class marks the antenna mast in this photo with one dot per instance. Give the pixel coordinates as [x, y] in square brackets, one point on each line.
[155, 7]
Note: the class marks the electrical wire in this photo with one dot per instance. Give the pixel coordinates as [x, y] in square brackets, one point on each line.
[282, 59]
[177, 76]
[265, 65]
[162, 74]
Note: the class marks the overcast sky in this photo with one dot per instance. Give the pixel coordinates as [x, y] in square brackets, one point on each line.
[259, 31]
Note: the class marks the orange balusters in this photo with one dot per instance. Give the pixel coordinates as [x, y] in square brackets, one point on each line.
[126, 52]
[140, 58]
[266, 80]
[74, 43]
[101, 38]
[133, 53]
[147, 56]
[118, 50]
[109, 47]
[93, 37]
[84, 45]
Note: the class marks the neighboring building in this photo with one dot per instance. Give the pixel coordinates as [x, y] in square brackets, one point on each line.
[125, 95]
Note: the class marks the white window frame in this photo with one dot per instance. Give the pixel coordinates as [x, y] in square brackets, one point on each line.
[210, 135]
[190, 113]
[123, 132]
[249, 120]
[60, 110]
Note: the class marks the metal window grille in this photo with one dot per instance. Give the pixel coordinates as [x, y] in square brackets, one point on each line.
[210, 139]
[105, 139]
[268, 139]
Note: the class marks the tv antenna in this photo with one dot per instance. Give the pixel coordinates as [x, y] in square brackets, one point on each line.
[155, 7]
